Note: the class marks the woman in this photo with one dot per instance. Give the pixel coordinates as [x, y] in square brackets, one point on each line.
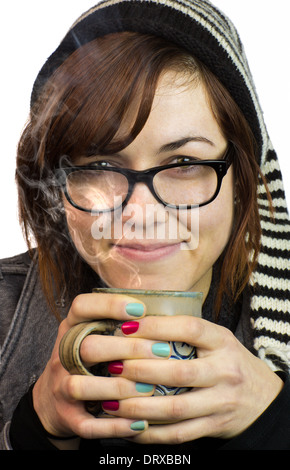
[137, 86]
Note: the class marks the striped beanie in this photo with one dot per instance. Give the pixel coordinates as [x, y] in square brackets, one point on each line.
[200, 28]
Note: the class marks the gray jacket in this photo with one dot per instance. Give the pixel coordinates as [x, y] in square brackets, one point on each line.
[27, 333]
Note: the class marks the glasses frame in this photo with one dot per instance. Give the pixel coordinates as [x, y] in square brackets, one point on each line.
[146, 177]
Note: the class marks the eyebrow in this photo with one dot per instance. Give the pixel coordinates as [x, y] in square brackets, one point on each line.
[181, 142]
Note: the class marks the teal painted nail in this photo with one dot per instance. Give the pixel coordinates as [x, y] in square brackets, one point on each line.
[138, 426]
[161, 349]
[144, 388]
[135, 309]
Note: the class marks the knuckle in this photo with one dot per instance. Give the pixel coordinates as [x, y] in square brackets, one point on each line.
[77, 304]
[134, 409]
[233, 370]
[84, 428]
[176, 408]
[87, 349]
[196, 329]
[198, 325]
[232, 366]
[136, 372]
[134, 347]
[87, 430]
[191, 324]
[113, 305]
[182, 373]
[181, 436]
[218, 425]
[235, 375]
[177, 435]
[229, 340]
[114, 429]
[229, 402]
[151, 438]
[72, 387]
[121, 387]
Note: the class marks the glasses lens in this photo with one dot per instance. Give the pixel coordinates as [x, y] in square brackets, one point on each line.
[96, 190]
[186, 185]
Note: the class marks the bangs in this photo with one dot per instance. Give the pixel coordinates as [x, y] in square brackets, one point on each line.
[99, 100]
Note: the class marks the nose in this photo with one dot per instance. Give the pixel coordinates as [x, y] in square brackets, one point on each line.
[143, 209]
[142, 195]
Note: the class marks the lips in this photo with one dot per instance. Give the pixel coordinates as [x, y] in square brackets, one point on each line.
[146, 252]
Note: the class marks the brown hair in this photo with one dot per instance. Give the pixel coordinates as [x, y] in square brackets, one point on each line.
[80, 112]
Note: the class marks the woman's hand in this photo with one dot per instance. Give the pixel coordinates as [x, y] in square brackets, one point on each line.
[59, 398]
[231, 387]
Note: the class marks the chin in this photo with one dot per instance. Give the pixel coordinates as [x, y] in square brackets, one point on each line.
[130, 279]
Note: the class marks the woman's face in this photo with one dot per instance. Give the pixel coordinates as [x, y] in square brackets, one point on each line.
[143, 251]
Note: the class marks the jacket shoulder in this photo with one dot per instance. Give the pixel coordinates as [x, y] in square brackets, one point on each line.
[13, 272]
[18, 264]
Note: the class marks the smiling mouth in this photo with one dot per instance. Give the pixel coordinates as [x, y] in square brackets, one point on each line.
[149, 252]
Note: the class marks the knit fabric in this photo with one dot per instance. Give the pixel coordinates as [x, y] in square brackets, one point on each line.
[199, 27]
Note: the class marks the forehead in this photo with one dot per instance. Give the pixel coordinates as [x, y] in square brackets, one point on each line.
[180, 108]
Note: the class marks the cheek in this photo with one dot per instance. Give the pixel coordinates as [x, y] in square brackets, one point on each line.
[215, 220]
[80, 226]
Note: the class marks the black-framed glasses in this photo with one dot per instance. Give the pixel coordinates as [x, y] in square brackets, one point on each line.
[186, 185]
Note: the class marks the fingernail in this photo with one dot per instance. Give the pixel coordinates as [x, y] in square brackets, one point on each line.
[144, 388]
[138, 426]
[116, 367]
[135, 309]
[110, 405]
[161, 349]
[130, 327]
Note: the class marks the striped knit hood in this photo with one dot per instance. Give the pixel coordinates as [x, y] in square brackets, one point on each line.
[199, 27]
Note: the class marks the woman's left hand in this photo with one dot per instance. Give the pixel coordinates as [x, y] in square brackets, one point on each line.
[231, 386]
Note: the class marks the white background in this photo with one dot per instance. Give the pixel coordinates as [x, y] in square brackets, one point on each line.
[31, 30]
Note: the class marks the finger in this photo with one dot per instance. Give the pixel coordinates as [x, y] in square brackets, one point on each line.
[88, 427]
[79, 388]
[200, 372]
[176, 433]
[192, 330]
[97, 348]
[167, 409]
[86, 307]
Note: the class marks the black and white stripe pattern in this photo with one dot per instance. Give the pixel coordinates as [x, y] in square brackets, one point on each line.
[270, 306]
[201, 28]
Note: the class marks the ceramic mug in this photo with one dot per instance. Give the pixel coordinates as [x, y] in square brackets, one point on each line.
[158, 303]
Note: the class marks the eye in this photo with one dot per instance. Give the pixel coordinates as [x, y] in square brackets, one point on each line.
[101, 164]
[184, 159]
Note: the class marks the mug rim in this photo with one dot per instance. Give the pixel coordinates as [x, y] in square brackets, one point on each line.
[149, 292]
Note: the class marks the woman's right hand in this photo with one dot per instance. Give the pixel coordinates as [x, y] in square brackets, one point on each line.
[59, 398]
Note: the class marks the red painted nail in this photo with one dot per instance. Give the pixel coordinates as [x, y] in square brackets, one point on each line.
[130, 327]
[110, 405]
[116, 367]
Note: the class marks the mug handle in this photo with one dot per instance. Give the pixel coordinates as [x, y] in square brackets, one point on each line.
[69, 348]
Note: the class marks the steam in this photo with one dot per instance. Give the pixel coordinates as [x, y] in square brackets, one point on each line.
[93, 233]
[98, 256]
